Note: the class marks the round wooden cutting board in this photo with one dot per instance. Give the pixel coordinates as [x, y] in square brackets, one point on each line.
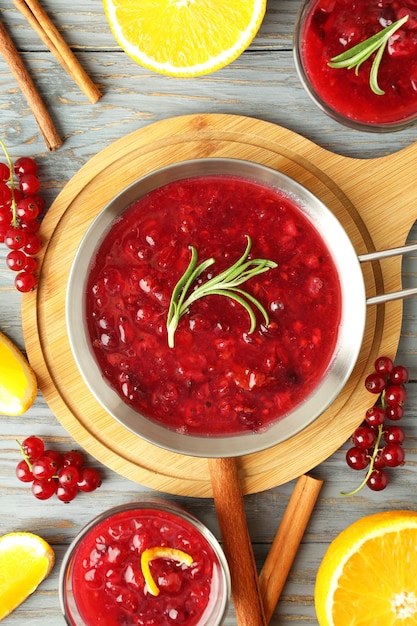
[363, 195]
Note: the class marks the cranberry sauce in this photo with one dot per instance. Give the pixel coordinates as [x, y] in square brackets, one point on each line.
[332, 27]
[218, 379]
[107, 580]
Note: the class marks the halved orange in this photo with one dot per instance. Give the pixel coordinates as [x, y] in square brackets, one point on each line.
[184, 37]
[368, 576]
[25, 561]
[18, 384]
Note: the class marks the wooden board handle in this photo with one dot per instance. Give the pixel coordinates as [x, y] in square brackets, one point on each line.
[237, 544]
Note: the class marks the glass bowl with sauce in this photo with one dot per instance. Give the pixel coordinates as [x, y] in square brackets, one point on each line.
[326, 29]
[142, 564]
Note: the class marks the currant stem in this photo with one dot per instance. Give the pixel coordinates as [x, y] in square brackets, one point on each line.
[25, 456]
[371, 464]
[12, 187]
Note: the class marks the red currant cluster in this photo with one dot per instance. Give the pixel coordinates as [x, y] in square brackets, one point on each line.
[377, 442]
[20, 206]
[51, 472]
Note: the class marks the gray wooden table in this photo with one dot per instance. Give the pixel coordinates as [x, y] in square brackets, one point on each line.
[262, 83]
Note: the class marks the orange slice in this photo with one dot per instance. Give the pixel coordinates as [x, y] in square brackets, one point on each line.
[184, 37]
[160, 552]
[25, 560]
[368, 576]
[18, 385]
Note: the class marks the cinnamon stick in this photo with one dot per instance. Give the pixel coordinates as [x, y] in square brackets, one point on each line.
[52, 38]
[287, 540]
[237, 545]
[28, 88]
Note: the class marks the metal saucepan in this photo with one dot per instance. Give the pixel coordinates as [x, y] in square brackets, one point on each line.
[350, 332]
[223, 470]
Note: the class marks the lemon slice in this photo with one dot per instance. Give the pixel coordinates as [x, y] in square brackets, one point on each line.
[18, 385]
[25, 561]
[160, 552]
[184, 37]
[368, 575]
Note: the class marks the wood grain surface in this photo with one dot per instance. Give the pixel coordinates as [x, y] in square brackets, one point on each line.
[370, 178]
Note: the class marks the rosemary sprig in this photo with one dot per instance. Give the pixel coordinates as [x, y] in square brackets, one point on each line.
[224, 284]
[355, 56]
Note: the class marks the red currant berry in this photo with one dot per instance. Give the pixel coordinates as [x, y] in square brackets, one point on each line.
[16, 260]
[23, 472]
[364, 437]
[378, 480]
[25, 281]
[393, 455]
[66, 493]
[379, 462]
[89, 479]
[399, 375]
[44, 489]
[356, 458]
[384, 365]
[5, 215]
[15, 238]
[43, 468]
[5, 193]
[3, 231]
[25, 165]
[33, 447]
[30, 264]
[375, 416]
[74, 458]
[39, 201]
[4, 172]
[33, 244]
[26, 209]
[29, 226]
[29, 184]
[394, 413]
[395, 395]
[375, 383]
[56, 458]
[394, 434]
[68, 476]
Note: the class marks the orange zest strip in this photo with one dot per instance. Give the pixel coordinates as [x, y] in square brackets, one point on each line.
[160, 552]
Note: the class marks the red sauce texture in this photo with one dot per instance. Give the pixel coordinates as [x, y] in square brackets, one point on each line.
[332, 27]
[108, 584]
[218, 379]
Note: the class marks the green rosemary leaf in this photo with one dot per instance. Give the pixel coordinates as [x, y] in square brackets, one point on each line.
[355, 56]
[224, 284]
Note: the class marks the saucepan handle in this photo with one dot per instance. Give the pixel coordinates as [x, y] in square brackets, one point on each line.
[384, 254]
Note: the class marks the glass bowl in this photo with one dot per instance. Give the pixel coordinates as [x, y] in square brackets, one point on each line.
[324, 29]
[144, 563]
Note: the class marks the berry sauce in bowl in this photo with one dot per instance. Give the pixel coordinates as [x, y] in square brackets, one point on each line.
[218, 387]
[144, 564]
[328, 28]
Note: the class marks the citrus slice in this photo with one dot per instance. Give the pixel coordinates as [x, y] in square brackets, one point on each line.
[160, 552]
[25, 561]
[184, 37]
[18, 385]
[368, 576]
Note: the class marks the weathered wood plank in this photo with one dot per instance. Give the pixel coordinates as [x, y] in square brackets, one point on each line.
[261, 83]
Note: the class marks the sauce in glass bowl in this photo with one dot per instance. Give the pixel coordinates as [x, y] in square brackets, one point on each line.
[218, 379]
[328, 28]
[184, 579]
